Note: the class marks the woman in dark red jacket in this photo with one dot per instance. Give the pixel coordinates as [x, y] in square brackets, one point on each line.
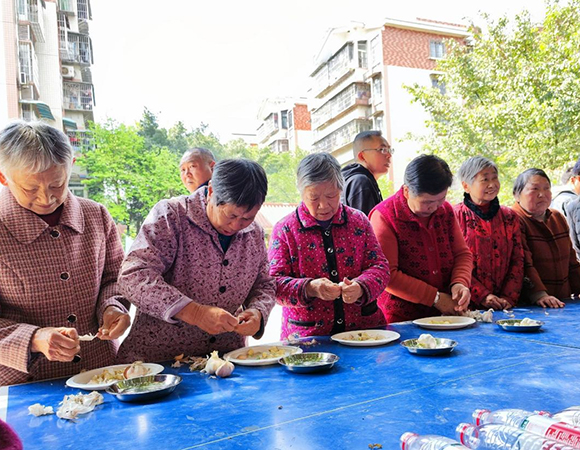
[493, 235]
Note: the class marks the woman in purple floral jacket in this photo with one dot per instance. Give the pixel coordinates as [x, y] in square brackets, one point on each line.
[328, 265]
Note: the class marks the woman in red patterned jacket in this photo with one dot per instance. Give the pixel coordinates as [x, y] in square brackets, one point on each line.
[328, 265]
[493, 235]
[429, 260]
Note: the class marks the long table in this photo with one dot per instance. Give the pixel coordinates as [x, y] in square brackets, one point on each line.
[371, 396]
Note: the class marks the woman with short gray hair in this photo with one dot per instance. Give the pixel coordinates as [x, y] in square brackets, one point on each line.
[60, 259]
[493, 235]
[328, 265]
[198, 272]
[552, 272]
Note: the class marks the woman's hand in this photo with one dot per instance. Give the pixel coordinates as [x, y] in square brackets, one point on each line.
[57, 344]
[351, 291]
[446, 305]
[495, 302]
[115, 322]
[461, 296]
[549, 301]
[211, 319]
[323, 289]
[249, 322]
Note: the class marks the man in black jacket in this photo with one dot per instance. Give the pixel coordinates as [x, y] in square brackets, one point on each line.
[372, 154]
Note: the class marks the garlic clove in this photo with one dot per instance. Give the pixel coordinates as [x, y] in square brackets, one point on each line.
[225, 370]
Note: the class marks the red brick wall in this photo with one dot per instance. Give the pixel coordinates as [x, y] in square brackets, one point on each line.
[301, 118]
[409, 48]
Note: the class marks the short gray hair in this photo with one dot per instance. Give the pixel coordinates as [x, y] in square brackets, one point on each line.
[470, 168]
[525, 176]
[195, 153]
[33, 147]
[362, 138]
[318, 168]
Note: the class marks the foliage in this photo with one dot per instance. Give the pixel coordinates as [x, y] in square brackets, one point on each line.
[125, 176]
[513, 95]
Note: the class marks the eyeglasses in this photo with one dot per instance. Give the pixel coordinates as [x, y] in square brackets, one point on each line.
[383, 150]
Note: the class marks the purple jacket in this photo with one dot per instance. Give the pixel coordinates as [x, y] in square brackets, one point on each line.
[177, 258]
[300, 251]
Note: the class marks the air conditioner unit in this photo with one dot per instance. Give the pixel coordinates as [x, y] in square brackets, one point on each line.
[67, 71]
[23, 78]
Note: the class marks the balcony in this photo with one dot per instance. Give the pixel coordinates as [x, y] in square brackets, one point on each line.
[67, 6]
[28, 62]
[80, 140]
[78, 96]
[268, 128]
[31, 11]
[343, 136]
[75, 48]
[357, 94]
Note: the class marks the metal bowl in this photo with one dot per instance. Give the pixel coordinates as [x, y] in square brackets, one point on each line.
[443, 346]
[513, 325]
[309, 362]
[144, 388]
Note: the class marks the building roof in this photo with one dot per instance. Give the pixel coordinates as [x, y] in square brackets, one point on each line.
[271, 213]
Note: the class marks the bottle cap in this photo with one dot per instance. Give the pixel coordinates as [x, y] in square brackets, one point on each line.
[405, 438]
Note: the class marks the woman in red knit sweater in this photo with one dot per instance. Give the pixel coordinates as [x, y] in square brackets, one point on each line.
[493, 235]
[551, 270]
[429, 260]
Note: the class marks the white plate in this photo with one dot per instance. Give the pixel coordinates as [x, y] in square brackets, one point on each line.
[81, 381]
[233, 355]
[385, 336]
[455, 322]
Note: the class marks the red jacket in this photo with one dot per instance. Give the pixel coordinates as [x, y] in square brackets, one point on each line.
[498, 255]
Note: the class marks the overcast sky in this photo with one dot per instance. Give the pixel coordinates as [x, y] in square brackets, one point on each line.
[214, 62]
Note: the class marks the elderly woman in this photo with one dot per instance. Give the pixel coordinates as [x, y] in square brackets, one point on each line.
[328, 265]
[430, 262]
[60, 257]
[551, 270]
[198, 271]
[493, 235]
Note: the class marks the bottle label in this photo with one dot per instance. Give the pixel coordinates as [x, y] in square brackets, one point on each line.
[547, 427]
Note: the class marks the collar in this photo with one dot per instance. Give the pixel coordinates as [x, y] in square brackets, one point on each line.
[26, 227]
[493, 207]
[308, 221]
[196, 212]
[522, 212]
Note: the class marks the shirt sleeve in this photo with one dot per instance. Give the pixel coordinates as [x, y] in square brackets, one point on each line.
[402, 285]
[530, 271]
[290, 290]
[15, 340]
[463, 259]
[514, 278]
[151, 256]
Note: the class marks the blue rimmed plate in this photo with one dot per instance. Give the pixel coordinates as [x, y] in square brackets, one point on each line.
[444, 346]
[514, 325]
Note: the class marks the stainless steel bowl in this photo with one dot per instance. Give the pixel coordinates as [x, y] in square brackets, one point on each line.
[443, 346]
[144, 388]
[309, 362]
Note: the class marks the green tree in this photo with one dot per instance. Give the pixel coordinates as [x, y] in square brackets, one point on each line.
[149, 129]
[125, 176]
[513, 94]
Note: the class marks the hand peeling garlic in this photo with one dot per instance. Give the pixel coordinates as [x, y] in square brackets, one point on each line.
[137, 369]
[216, 365]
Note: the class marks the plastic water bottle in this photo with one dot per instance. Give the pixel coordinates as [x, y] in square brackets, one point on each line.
[540, 425]
[569, 415]
[412, 441]
[503, 437]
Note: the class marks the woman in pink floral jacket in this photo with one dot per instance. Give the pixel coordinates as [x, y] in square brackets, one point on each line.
[329, 267]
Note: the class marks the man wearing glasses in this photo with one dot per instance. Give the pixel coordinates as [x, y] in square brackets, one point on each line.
[372, 155]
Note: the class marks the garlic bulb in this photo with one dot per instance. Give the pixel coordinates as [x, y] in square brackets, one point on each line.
[225, 370]
[216, 365]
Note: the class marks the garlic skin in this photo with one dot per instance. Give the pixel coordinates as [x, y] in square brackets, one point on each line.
[225, 370]
[137, 369]
[216, 365]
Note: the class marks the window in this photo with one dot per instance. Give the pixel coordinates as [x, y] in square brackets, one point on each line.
[362, 54]
[438, 83]
[83, 9]
[290, 119]
[284, 124]
[375, 47]
[27, 112]
[377, 89]
[379, 122]
[436, 49]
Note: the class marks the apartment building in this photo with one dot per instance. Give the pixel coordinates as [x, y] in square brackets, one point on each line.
[358, 84]
[45, 71]
[284, 124]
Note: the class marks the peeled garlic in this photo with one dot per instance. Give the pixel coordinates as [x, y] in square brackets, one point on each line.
[137, 369]
[216, 365]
